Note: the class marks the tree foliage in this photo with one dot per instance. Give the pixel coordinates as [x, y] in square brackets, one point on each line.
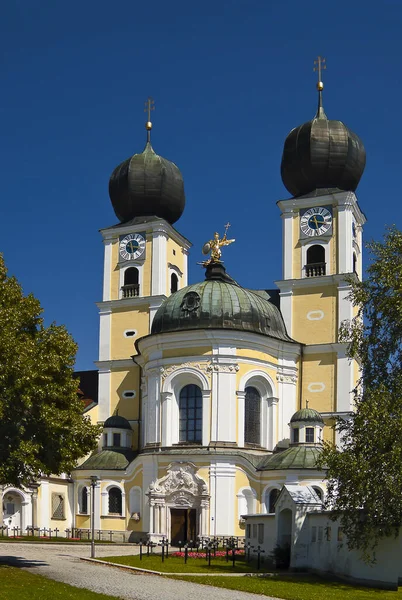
[42, 428]
[365, 478]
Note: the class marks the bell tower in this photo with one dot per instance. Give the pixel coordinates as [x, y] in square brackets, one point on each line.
[145, 260]
[322, 163]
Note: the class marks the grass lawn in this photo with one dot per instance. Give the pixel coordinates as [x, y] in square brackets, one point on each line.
[297, 588]
[176, 565]
[16, 584]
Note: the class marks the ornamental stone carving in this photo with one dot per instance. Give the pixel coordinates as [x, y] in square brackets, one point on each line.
[181, 482]
[286, 378]
[203, 367]
[219, 368]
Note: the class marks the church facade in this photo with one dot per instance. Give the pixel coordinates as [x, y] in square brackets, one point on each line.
[203, 387]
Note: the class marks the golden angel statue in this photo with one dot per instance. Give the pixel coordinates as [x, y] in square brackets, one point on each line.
[214, 246]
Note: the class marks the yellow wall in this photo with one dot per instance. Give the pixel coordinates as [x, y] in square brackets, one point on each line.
[122, 380]
[186, 352]
[123, 319]
[174, 259]
[82, 521]
[312, 299]
[113, 523]
[320, 368]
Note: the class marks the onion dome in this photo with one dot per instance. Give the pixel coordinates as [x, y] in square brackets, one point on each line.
[117, 422]
[308, 415]
[219, 303]
[321, 156]
[147, 185]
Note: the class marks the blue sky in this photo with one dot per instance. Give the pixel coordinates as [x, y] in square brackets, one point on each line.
[229, 79]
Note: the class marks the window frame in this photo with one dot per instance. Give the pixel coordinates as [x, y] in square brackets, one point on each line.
[248, 411]
[184, 401]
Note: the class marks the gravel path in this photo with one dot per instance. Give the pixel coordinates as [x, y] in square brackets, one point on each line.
[62, 563]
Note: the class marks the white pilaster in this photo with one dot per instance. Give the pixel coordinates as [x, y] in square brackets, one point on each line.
[107, 270]
[159, 263]
[166, 418]
[240, 417]
[43, 517]
[105, 327]
[104, 392]
[286, 309]
[272, 423]
[345, 239]
[222, 486]
[185, 267]
[287, 245]
[344, 382]
[223, 403]
[206, 417]
[154, 407]
[345, 307]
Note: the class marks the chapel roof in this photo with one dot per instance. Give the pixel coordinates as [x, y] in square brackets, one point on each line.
[295, 457]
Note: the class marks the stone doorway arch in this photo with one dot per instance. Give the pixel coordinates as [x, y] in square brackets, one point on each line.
[181, 494]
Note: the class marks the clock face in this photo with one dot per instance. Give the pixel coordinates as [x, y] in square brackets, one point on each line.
[316, 221]
[132, 246]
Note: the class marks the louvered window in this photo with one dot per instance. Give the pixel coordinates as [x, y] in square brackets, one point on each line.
[252, 417]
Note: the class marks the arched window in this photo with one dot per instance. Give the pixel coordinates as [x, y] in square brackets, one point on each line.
[84, 501]
[272, 499]
[115, 501]
[319, 493]
[295, 435]
[252, 416]
[174, 283]
[315, 261]
[131, 285]
[246, 502]
[190, 414]
[354, 263]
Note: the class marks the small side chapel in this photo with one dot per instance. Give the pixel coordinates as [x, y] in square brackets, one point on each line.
[203, 387]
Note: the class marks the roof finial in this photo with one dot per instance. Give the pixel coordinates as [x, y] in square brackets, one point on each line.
[319, 66]
[149, 105]
[306, 403]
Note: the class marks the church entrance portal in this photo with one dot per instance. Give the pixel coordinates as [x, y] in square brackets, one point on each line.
[183, 525]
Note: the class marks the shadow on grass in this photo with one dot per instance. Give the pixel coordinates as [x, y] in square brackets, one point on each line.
[20, 562]
[304, 578]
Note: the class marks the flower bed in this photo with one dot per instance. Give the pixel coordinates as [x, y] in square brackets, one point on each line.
[218, 553]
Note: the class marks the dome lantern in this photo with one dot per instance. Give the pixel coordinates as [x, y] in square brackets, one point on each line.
[322, 154]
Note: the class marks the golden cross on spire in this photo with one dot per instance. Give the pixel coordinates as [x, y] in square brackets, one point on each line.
[319, 66]
[149, 105]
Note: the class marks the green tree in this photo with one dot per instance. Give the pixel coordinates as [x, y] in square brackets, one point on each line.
[365, 478]
[42, 427]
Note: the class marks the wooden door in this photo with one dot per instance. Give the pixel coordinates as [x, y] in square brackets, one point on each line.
[178, 530]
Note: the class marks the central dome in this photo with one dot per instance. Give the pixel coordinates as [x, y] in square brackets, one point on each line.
[219, 303]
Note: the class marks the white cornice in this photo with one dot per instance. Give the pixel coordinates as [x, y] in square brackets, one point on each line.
[108, 305]
[339, 199]
[109, 365]
[216, 337]
[113, 233]
[287, 285]
[324, 348]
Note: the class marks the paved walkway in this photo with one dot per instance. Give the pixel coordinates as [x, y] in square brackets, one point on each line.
[62, 563]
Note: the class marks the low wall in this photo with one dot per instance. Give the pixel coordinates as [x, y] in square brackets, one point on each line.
[328, 553]
[261, 531]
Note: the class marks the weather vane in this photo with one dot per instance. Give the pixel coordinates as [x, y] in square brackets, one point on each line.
[213, 247]
[149, 105]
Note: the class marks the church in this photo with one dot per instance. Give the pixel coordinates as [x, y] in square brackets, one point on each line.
[212, 396]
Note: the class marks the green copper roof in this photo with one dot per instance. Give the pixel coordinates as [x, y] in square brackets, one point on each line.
[117, 422]
[307, 414]
[219, 303]
[295, 457]
[117, 459]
